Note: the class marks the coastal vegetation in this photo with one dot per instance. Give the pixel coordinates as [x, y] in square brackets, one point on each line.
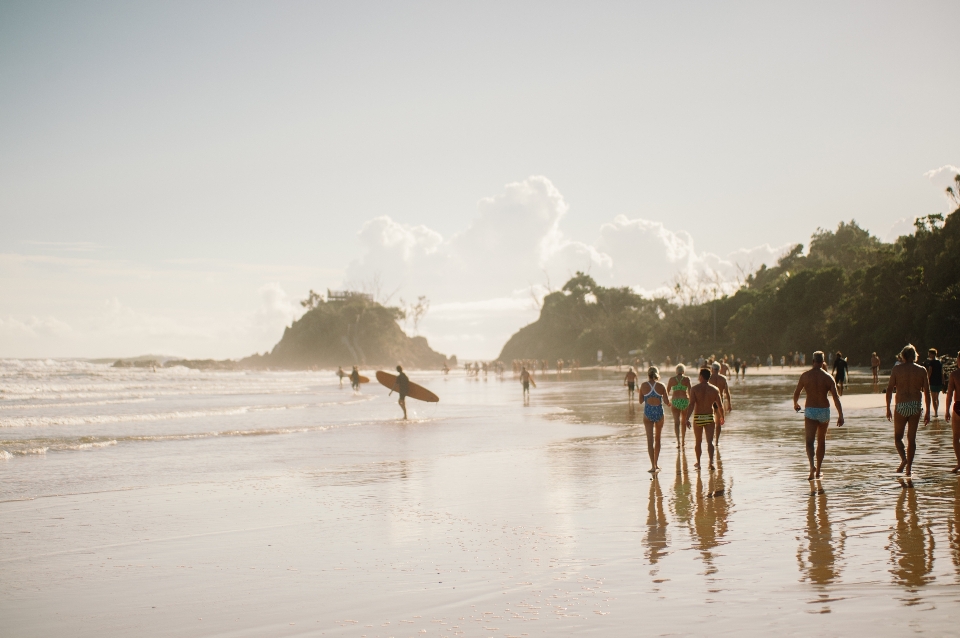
[347, 329]
[848, 292]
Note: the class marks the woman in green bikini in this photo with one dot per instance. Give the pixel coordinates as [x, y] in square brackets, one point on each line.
[679, 400]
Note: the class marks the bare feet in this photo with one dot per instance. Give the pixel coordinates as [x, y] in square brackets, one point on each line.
[909, 471]
[903, 464]
[712, 466]
[696, 465]
[956, 469]
[819, 473]
[652, 470]
[812, 474]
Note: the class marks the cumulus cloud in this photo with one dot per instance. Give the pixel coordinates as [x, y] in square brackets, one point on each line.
[516, 241]
[943, 177]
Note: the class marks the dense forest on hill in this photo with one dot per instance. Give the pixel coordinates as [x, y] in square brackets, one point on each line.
[350, 330]
[849, 292]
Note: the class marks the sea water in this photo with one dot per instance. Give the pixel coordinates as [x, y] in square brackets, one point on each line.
[179, 502]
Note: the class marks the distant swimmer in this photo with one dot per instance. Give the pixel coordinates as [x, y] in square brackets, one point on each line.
[526, 379]
[631, 382]
[341, 374]
[908, 381]
[840, 372]
[445, 369]
[355, 379]
[717, 379]
[679, 400]
[953, 413]
[935, 376]
[704, 399]
[875, 367]
[816, 413]
[402, 387]
[653, 393]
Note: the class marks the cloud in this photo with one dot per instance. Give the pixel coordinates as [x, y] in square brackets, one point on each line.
[943, 177]
[516, 240]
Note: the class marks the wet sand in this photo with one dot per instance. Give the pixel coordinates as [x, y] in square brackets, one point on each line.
[480, 517]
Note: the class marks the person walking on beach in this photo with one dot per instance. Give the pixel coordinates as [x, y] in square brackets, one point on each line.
[908, 381]
[341, 374]
[402, 387]
[679, 400]
[526, 379]
[630, 380]
[816, 412]
[840, 372]
[653, 392]
[935, 376]
[952, 412]
[875, 367]
[720, 381]
[355, 379]
[704, 399]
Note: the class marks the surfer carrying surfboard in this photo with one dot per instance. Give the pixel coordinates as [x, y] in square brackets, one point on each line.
[402, 387]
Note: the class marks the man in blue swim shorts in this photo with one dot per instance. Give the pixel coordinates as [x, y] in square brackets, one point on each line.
[817, 383]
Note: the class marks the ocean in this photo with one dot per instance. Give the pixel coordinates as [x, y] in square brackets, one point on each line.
[186, 503]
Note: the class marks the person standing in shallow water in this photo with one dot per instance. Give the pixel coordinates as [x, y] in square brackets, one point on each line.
[908, 381]
[630, 380]
[704, 400]
[875, 367]
[402, 386]
[840, 372]
[679, 400]
[717, 379]
[526, 379]
[653, 393]
[952, 411]
[816, 413]
[935, 376]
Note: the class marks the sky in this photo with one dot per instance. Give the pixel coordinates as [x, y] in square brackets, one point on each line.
[175, 177]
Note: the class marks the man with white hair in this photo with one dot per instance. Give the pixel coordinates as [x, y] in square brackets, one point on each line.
[816, 414]
[717, 379]
[909, 382]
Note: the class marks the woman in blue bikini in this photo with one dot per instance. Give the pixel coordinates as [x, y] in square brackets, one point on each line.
[652, 393]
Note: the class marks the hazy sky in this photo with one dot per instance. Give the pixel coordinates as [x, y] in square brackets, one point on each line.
[174, 176]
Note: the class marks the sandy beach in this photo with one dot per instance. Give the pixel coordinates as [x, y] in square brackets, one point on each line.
[180, 503]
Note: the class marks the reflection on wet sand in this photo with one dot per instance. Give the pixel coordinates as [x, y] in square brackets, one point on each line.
[911, 544]
[819, 559]
[656, 536]
[953, 528]
[710, 516]
[681, 503]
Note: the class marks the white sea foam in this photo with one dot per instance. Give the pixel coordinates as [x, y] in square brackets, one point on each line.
[4, 455]
[90, 446]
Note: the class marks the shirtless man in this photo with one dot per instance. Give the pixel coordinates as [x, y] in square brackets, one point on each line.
[704, 397]
[402, 386]
[875, 367]
[935, 376]
[631, 382]
[953, 412]
[908, 381]
[526, 379]
[840, 372]
[816, 414]
[355, 379]
[720, 381]
[679, 387]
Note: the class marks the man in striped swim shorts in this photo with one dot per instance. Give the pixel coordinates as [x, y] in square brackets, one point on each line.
[910, 385]
[704, 400]
[817, 383]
